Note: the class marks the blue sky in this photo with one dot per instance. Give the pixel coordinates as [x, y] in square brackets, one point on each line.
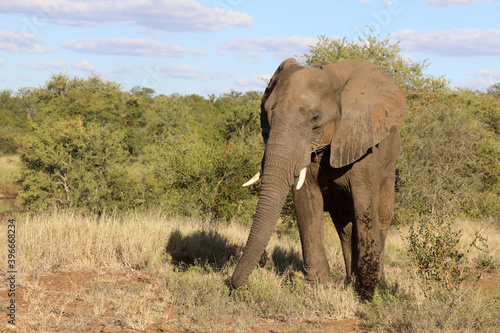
[214, 46]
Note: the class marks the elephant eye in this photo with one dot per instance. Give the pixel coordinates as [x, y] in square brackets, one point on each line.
[315, 118]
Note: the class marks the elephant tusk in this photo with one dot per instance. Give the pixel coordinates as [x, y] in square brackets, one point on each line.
[302, 178]
[254, 179]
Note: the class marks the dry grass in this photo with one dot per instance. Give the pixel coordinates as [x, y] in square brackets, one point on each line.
[486, 229]
[139, 272]
[194, 297]
[9, 167]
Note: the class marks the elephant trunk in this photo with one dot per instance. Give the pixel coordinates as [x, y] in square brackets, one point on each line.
[278, 176]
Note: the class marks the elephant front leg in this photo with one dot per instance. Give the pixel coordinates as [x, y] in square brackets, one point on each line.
[309, 208]
[348, 243]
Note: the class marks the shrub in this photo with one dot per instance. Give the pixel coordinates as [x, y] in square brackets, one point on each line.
[210, 174]
[441, 266]
[494, 90]
[383, 53]
[450, 157]
[72, 165]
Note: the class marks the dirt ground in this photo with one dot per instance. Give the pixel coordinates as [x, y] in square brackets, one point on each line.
[56, 296]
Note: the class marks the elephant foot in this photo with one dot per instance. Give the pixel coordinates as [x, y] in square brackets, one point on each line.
[316, 276]
[366, 289]
[350, 280]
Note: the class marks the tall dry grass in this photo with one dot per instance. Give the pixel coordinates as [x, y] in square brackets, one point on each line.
[166, 248]
[9, 168]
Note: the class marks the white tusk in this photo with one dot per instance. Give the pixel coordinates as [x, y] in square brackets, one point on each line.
[254, 179]
[302, 178]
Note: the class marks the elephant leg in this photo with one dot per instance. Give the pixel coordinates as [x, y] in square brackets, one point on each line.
[309, 208]
[348, 243]
[367, 230]
[385, 213]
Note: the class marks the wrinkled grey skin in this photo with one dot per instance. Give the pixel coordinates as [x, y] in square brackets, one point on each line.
[340, 122]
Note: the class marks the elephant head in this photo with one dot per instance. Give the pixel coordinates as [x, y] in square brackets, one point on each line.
[350, 105]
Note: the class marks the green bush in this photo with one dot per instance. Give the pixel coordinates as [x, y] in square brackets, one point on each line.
[494, 90]
[8, 141]
[190, 155]
[72, 165]
[383, 53]
[209, 175]
[441, 266]
[450, 158]
[443, 269]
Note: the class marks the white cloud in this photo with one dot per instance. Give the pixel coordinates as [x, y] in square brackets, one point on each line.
[46, 65]
[488, 73]
[255, 81]
[84, 65]
[2, 62]
[128, 46]
[483, 78]
[477, 84]
[217, 91]
[449, 3]
[455, 42]
[187, 72]
[152, 33]
[12, 41]
[182, 72]
[169, 15]
[124, 70]
[281, 47]
[408, 57]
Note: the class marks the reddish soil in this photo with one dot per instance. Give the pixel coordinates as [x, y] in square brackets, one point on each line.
[490, 282]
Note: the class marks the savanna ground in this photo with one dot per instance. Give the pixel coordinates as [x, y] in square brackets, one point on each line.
[148, 272]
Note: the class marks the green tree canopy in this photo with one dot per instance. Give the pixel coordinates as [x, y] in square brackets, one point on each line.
[87, 144]
[494, 90]
[383, 53]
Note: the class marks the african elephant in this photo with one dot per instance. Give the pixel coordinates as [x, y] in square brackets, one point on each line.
[332, 131]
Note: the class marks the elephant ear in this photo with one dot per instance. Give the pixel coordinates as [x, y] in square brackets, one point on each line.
[371, 103]
[264, 122]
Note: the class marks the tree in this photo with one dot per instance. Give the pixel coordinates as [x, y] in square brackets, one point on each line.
[450, 157]
[241, 114]
[383, 53]
[166, 118]
[494, 90]
[74, 165]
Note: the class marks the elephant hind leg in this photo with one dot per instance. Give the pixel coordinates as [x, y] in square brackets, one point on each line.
[385, 212]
